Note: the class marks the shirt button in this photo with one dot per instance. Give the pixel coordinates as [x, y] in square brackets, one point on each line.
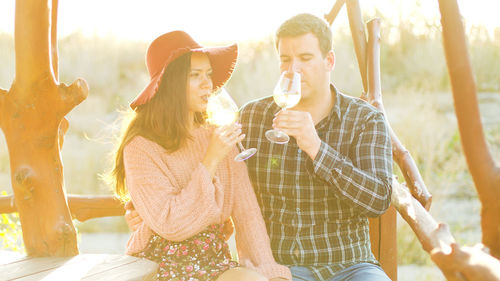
[298, 210]
[300, 150]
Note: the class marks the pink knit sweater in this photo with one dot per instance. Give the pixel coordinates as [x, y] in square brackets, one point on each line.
[176, 198]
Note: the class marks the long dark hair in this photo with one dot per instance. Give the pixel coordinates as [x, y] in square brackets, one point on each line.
[163, 120]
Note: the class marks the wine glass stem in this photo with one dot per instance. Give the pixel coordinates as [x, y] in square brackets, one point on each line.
[241, 146]
[277, 129]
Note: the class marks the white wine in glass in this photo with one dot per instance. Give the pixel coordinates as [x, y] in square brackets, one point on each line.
[222, 111]
[286, 94]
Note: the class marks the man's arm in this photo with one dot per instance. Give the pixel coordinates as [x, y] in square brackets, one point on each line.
[134, 220]
[365, 178]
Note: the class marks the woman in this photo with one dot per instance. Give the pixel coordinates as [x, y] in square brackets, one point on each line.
[180, 175]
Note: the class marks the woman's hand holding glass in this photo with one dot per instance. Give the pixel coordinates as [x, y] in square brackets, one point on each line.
[222, 112]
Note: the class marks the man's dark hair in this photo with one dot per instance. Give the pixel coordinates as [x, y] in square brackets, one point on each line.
[306, 23]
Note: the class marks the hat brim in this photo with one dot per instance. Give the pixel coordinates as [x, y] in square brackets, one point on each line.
[222, 59]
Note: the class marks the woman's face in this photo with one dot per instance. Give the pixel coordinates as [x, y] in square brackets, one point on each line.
[200, 84]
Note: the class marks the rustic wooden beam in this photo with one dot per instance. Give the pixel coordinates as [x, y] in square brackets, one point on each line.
[400, 154]
[467, 263]
[3, 94]
[359, 37]
[7, 204]
[88, 207]
[53, 40]
[32, 121]
[485, 172]
[82, 207]
[457, 263]
[383, 231]
[332, 15]
[430, 234]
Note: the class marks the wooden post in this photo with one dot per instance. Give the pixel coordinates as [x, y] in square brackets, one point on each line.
[384, 242]
[332, 15]
[485, 172]
[400, 154]
[383, 231]
[359, 37]
[31, 114]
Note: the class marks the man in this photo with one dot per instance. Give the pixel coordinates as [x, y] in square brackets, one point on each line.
[317, 191]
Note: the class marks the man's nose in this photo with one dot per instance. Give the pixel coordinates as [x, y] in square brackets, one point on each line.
[294, 66]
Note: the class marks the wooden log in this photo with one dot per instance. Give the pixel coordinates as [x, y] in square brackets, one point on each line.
[456, 262]
[54, 52]
[88, 207]
[357, 26]
[383, 230]
[332, 15]
[467, 263]
[31, 115]
[3, 94]
[430, 234]
[7, 204]
[485, 172]
[400, 154]
[383, 238]
[81, 207]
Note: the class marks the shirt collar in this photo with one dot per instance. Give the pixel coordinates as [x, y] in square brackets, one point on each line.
[336, 107]
[334, 112]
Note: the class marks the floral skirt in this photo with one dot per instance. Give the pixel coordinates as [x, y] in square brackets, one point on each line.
[202, 257]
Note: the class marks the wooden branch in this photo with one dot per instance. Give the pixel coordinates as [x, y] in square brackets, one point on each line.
[374, 97]
[430, 234]
[3, 94]
[82, 207]
[7, 204]
[467, 263]
[71, 96]
[457, 263]
[32, 42]
[332, 15]
[88, 207]
[358, 37]
[53, 40]
[485, 172]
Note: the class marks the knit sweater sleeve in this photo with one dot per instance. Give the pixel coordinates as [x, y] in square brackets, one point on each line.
[173, 212]
[252, 240]
[139, 239]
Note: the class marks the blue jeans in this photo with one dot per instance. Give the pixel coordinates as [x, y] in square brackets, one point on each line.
[358, 272]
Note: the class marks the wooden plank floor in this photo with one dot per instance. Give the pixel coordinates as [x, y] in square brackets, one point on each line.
[81, 267]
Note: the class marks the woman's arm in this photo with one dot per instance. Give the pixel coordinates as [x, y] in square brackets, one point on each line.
[173, 212]
[252, 240]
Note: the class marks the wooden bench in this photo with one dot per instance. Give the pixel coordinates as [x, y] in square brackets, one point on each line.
[382, 229]
[81, 267]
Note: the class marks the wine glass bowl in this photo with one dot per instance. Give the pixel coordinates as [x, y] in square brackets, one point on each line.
[222, 111]
[286, 95]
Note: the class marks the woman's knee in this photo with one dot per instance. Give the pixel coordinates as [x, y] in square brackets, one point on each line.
[241, 274]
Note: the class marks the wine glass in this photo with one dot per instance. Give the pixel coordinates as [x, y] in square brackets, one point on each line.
[221, 111]
[286, 94]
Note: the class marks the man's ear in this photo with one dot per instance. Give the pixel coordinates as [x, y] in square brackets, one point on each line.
[330, 60]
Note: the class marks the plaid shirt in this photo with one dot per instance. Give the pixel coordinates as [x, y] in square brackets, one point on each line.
[316, 210]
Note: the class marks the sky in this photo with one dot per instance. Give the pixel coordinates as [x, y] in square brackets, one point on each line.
[223, 20]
